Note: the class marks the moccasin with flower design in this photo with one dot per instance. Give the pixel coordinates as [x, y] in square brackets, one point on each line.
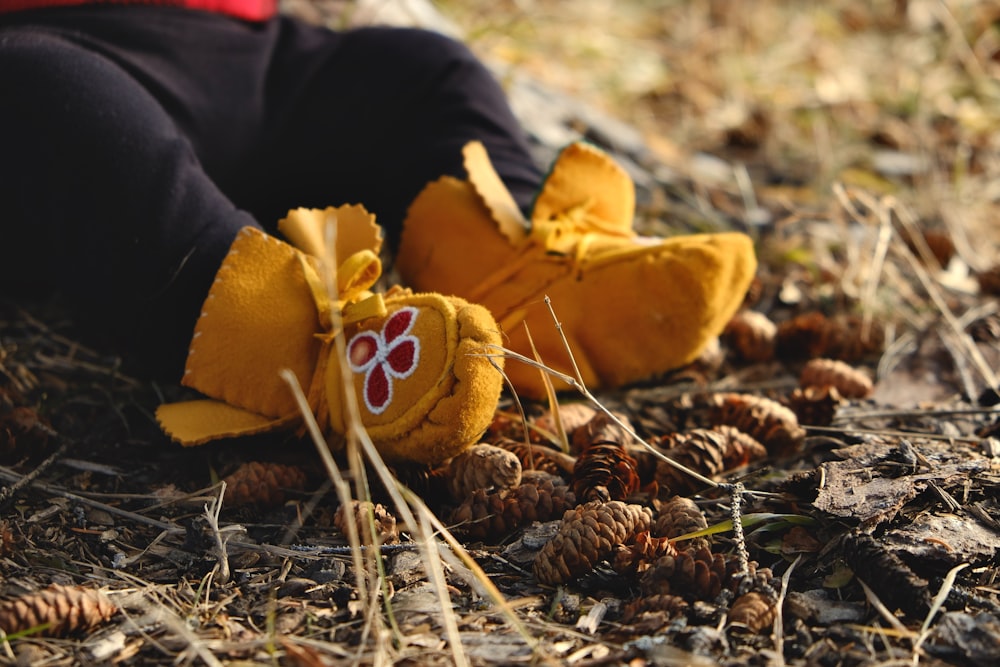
[631, 306]
[412, 368]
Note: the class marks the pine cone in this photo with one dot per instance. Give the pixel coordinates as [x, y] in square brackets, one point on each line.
[707, 451]
[262, 484]
[741, 448]
[492, 515]
[482, 467]
[673, 606]
[756, 578]
[989, 281]
[362, 513]
[769, 422]
[540, 457]
[898, 586]
[605, 471]
[696, 574]
[850, 382]
[680, 516]
[803, 337]
[751, 335]
[587, 535]
[813, 335]
[573, 416]
[645, 549]
[542, 498]
[701, 450]
[985, 329]
[428, 483]
[600, 429]
[19, 430]
[753, 610]
[940, 245]
[815, 406]
[65, 610]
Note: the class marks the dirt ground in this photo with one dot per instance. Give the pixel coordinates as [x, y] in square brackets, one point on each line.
[857, 143]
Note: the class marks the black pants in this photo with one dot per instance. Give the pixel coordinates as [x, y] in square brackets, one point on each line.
[136, 141]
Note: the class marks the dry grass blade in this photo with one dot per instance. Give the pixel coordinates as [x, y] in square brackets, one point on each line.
[359, 443]
[936, 604]
[499, 351]
[550, 392]
[884, 611]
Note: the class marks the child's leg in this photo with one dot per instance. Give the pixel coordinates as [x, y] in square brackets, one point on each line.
[103, 197]
[372, 115]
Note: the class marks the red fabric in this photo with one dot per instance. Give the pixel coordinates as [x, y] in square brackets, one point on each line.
[250, 10]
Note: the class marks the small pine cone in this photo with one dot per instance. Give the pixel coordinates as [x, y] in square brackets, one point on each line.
[707, 451]
[492, 515]
[985, 329]
[19, 430]
[673, 605]
[754, 610]
[543, 499]
[769, 422]
[815, 406]
[741, 448]
[989, 281]
[427, 482]
[65, 610]
[600, 429]
[573, 416]
[696, 574]
[587, 535]
[481, 516]
[940, 245]
[482, 467]
[803, 337]
[751, 335]
[8, 542]
[701, 450]
[262, 483]
[755, 578]
[680, 516]
[850, 382]
[362, 512]
[540, 457]
[645, 462]
[605, 471]
[645, 549]
[852, 343]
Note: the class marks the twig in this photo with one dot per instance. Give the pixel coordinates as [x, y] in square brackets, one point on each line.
[736, 492]
[212, 516]
[7, 494]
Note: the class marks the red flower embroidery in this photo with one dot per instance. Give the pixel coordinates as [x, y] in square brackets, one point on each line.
[385, 355]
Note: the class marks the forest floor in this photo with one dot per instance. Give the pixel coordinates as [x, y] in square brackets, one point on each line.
[858, 143]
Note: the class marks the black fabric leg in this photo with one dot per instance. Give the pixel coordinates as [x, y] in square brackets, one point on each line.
[372, 115]
[138, 140]
[105, 200]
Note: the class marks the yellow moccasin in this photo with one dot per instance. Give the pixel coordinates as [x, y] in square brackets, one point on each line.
[413, 361]
[631, 307]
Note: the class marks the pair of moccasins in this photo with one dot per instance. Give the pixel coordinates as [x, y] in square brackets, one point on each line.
[415, 367]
